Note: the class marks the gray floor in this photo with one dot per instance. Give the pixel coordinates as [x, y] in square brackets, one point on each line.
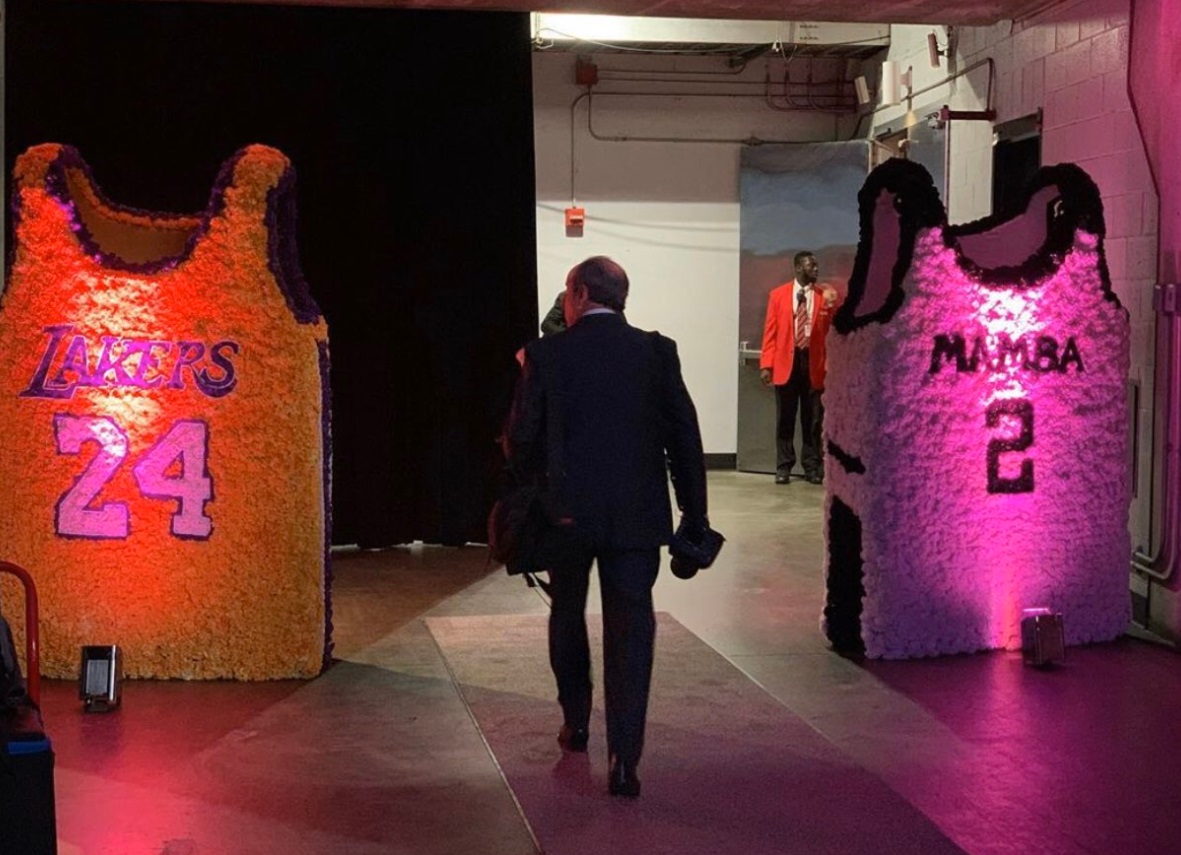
[381, 755]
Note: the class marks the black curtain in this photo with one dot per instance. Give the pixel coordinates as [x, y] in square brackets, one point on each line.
[412, 137]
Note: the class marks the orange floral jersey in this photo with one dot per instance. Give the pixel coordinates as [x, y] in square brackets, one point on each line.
[164, 449]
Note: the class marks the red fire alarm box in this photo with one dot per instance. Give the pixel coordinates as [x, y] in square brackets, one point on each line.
[586, 73]
[575, 218]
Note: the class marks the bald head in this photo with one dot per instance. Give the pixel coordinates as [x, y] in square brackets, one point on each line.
[594, 283]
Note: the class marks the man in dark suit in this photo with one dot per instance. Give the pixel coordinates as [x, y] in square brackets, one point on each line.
[602, 414]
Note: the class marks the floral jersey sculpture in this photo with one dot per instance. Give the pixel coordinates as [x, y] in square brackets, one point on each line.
[977, 425]
[164, 397]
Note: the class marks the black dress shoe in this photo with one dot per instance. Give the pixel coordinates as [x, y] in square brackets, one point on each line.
[622, 780]
[782, 479]
[573, 738]
[815, 478]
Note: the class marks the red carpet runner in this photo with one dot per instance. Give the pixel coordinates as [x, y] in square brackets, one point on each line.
[726, 769]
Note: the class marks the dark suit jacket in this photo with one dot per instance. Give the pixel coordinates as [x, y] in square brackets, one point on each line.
[602, 414]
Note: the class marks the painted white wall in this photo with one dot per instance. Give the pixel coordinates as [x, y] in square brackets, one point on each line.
[1071, 61]
[667, 210]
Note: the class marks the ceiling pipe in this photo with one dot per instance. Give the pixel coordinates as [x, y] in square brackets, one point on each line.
[751, 140]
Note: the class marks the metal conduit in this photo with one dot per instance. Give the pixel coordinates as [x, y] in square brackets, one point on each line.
[589, 96]
[1163, 563]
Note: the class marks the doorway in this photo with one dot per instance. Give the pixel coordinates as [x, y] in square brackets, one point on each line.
[793, 197]
[1016, 157]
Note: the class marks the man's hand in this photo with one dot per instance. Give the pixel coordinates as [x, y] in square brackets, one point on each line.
[693, 527]
[765, 376]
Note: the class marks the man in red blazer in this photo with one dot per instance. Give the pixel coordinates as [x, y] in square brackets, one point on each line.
[799, 314]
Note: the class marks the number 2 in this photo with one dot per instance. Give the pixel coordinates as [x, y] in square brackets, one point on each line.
[1023, 411]
[74, 516]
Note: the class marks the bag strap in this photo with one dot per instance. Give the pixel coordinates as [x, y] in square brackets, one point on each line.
[532, 580]
[555, 470]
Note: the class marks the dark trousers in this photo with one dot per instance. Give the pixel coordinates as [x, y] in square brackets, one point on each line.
[797, 394]
[629, 636]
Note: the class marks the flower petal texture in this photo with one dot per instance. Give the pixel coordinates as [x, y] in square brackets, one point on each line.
[977, 424]
[165, 443]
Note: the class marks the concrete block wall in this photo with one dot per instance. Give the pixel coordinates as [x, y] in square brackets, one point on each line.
[1070, 61]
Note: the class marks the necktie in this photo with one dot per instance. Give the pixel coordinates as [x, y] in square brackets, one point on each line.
[801, 319]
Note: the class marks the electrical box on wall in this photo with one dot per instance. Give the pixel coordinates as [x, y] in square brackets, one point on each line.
[586, 73]
[575, 219]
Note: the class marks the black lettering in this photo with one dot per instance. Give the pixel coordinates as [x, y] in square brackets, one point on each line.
[996, 411]
[1009, 352]
[1047, 354]
[1071, 355]
[948, 348]
[979, 355]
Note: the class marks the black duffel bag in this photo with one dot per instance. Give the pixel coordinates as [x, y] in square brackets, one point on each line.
[516, 528]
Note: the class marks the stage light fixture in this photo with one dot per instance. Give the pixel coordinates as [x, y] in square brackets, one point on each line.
[933, 51]
[862, 87]
[1043, 641]
[99, 677]
[893, 79]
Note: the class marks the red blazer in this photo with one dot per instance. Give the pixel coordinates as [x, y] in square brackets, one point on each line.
[779, 333]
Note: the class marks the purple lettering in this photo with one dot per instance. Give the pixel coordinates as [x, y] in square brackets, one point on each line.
[188, 352]
[140, 362]
[217, 387]
[108, 361]
[143, 349]
[77, 361]
[37, 387]
[149, 361]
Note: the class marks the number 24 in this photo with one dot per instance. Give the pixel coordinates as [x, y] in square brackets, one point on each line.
[186, 442]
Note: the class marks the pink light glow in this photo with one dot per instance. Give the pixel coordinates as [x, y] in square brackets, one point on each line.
[1013, 314]
[991, 425]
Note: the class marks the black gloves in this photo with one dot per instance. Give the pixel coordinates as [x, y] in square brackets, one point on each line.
[683, 569]
[693, 547]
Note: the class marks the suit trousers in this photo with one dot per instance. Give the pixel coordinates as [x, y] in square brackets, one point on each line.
[626, 578]
[795, 395]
